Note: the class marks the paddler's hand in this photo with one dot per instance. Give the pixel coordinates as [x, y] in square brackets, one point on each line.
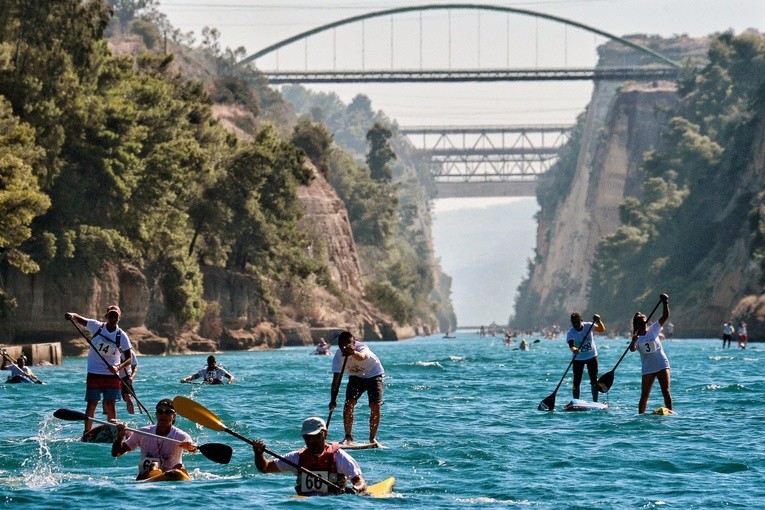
[596, 318]
[258, 447]
[188, 446]
[664, 298]
[114, 369]
[68, 316]
[348, 350]
[121, 432]
[574, 350]
[351, 490]
[332, 405]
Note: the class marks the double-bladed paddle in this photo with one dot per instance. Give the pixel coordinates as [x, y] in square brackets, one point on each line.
[606, 380]
[198, 413]
[548, 404]
[216, 452]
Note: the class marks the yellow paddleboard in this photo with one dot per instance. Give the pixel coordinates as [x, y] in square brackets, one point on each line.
[663, 411]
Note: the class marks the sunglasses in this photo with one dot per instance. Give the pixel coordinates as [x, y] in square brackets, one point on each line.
[165, 410]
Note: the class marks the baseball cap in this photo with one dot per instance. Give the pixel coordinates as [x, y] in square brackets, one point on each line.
[166, 402]
[312, 425]
[113, 308]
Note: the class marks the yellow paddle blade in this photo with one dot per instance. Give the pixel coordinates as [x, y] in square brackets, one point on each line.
[198, 413]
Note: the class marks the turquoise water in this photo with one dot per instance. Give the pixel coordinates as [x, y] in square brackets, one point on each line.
[460, 422]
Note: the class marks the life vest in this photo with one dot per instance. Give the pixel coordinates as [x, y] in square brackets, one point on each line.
[324, 465]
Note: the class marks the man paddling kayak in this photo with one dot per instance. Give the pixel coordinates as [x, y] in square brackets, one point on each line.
[327, 460]
[156, 455]
[211, 374]
[20, 372]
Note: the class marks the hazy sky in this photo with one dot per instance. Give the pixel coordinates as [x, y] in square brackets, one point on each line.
[483, 244]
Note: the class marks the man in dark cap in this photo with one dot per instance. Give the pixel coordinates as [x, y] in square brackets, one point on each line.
[211, 374]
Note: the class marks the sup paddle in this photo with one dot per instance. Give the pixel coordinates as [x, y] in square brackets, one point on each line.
[606, 380]
[31, 377]
[548, 404]
[127, 384]
[335, 389]
[216, 452]
[198, 413]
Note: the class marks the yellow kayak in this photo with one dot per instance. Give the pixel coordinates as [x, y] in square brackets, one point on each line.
[171, 475]
[381, 489]
[377, 490]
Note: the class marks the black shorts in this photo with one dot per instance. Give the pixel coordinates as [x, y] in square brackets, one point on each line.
[358, 385]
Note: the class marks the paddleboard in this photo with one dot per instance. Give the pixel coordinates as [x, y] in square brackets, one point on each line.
[360, 446]
[100, 434]
[663, 411]
[582, 405]
[171, 475]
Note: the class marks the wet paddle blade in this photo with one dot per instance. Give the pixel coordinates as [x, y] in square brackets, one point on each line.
[547, 404]
[605, 381]
[197, 413]
[217, 452]
[69, 415]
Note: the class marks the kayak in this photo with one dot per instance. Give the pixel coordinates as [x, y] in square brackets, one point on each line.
[171, 475]
[15, 379]
[381, 489]
[377, 490]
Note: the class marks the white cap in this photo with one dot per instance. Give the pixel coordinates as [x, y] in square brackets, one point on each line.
[312, 425]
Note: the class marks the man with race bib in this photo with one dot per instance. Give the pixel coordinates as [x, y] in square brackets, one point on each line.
[110, 352]
[328, 461]
[581, 342]
[157, 455]
[654, 361]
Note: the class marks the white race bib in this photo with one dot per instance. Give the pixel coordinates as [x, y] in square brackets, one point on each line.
[311, 484]
[647, 347]
[146, 462]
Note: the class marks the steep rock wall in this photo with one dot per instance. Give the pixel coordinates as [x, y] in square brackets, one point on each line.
[622, 124]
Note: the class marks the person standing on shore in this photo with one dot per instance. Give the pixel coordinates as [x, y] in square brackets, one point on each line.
[583, 347]
[113, 345]
[365, 374]
[652, 356]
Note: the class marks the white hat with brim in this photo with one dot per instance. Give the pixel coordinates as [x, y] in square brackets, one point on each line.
[312, 426]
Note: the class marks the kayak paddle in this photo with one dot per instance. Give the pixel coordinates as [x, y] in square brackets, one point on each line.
[606, 380]
[548, 404]
[198, 413]
[216, 452]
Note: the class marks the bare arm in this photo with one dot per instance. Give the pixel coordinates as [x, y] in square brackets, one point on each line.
[665, 309]
[71, 316]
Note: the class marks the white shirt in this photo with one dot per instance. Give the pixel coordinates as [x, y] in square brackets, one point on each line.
[167, 453]
[106, 343]
[366, 369]
[586, 346]
[651, 351]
